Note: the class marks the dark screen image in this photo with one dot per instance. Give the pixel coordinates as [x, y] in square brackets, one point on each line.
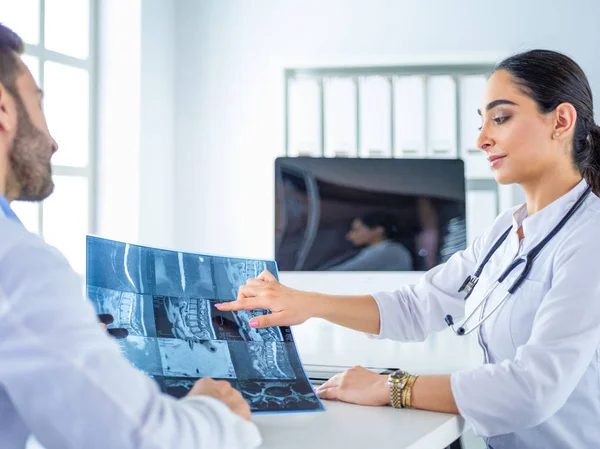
[339, 214]
[165, 299]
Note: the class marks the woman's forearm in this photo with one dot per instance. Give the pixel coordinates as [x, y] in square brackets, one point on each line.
[360, 313]
[433, 393]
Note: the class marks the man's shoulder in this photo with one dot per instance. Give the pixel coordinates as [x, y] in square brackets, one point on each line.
[17, 241]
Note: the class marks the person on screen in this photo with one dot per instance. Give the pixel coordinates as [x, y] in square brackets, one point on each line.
[62, 378]
[376, 232]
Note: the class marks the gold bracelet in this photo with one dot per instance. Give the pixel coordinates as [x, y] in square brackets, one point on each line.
[403, 395]
[404, 391]
[409, 387]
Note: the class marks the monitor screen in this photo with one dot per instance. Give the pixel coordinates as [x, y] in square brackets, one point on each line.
[341, 214]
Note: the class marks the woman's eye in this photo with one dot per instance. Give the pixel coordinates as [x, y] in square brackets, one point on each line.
[497, 121]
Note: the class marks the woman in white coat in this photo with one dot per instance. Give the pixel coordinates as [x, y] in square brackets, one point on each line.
[539, 385]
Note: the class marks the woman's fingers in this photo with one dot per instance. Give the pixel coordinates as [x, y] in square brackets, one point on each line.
[255, 282]
[331, 393]
[333, 382]
[244, 304]
[270, 320]
[267, 276]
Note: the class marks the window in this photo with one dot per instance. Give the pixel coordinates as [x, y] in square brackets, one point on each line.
[59, 40]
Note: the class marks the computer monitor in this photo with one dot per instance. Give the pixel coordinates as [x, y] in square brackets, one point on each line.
[343, 214]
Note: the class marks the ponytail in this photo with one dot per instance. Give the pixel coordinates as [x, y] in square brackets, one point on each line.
[588, 159]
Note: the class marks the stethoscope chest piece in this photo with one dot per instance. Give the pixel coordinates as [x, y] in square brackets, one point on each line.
[468, 285]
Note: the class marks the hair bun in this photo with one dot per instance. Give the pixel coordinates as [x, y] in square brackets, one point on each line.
[593, 140]
[589, 161]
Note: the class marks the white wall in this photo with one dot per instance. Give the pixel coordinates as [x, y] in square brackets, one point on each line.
[136, 121]
[229, 106]
[118, 94]
[157, 156]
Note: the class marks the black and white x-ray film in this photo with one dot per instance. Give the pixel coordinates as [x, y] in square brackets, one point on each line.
[175, 386]
[143, 353]
[261, 360]
[276, 396]
[166, 300]
[184, 318]
[120, 266]
[129, 310]
[195, 359]
[179, 274]
[234, 326]
[231, 274]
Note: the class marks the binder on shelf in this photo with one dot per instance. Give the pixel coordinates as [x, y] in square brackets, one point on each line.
[441, 111]
[304, 117]
[340, 117]
[409, 116]
[375, 125]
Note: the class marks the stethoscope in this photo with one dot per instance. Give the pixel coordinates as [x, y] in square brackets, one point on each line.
[471, 281]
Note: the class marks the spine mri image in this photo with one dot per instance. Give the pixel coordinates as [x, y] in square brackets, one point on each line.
[165, 300]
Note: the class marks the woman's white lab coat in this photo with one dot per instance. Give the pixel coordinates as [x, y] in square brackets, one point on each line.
[539, 386]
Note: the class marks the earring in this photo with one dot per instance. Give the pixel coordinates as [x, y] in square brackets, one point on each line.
[556, 134]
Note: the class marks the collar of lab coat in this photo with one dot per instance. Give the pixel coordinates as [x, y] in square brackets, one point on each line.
[537, 226]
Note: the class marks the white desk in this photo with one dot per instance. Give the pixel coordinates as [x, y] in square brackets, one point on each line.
[356, 427]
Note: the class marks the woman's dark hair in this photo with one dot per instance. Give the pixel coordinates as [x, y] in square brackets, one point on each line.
[551, 78]
[11, 45]
[386, 221]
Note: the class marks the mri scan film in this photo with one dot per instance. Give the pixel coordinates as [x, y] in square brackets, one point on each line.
[166, 301]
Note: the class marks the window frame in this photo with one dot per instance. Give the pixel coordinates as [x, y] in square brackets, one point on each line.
[90, 65]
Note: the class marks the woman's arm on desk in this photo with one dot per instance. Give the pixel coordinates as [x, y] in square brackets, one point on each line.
[290, 307]
[361, 386]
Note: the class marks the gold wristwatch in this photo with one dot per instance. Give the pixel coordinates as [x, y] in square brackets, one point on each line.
[396, 382]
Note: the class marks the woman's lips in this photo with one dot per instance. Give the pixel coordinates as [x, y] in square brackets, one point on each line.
[495, 160]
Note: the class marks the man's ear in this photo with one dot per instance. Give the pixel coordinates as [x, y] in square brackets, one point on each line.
[8, 114]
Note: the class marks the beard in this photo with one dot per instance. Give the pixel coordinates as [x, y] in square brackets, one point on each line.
[30, 172]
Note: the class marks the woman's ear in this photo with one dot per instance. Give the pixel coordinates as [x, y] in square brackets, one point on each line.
[564, 120]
